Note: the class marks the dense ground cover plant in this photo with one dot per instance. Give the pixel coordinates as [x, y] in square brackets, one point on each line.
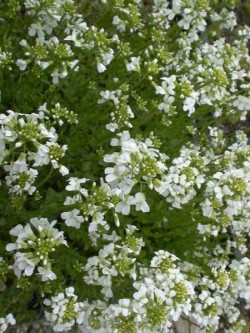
[125, 165]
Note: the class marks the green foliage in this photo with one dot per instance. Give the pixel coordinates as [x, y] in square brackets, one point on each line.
[126, 120]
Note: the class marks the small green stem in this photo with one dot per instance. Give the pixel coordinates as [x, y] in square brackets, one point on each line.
[46, 178]
[151, 114]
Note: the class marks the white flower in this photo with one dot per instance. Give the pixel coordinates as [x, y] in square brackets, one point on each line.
[37, 29]
[41, 156]
[46, 273]
[123, 307]
[109, 95]
[120, 24]
[113, 174]
[20, 164]
[22, 264]
[112, 127]
[167, 86]
[100, 67]
[140, 202]
[166, 104]
[55, 76]
[189, 103]
[72, 219]
[242, 103]
[75, 185]
[43, 64]
[107, 57]
[63, 170]
[185, 22]
[22, 64]
[5, 322]
[97, 222]
[124, 205]
[134, 65]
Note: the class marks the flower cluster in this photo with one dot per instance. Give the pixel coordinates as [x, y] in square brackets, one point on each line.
[226, 203]
[114, 260]
[90, 205]
[161, 294]
[155, 199]
[184, 177]
[138, 162]
[66, 311]
[35, 241]
[47, 54]
[42, 51]
[27, 142]
[121, 111]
